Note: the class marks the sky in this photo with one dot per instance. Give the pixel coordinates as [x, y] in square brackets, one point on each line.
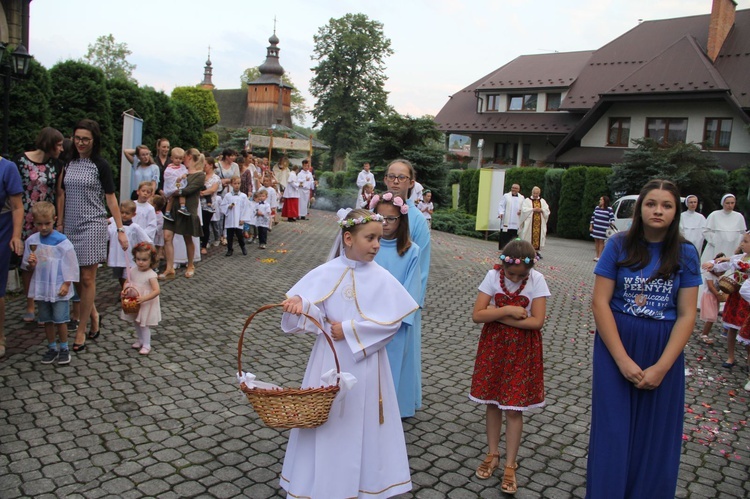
[440, 46]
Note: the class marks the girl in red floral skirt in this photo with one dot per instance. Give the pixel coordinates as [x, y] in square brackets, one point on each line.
[508, 372]
[736, 310]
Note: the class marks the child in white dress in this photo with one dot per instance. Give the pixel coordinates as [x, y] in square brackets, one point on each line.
[426, 207]
[145, 280]
[116, 260]
[145, 214]
[262, 217]
[273, 198]
[361, 447]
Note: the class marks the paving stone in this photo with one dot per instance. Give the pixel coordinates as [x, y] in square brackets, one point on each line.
[174, 424]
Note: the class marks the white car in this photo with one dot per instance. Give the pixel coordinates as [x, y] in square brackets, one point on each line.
[624, 208]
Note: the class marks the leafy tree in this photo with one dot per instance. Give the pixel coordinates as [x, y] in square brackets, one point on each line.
[189, 130]
[80, 91]
[159, 118]
[111, 58]
[200, 99]
[685, 164]
[416, 139]
[349, 81]
[123, 95]
[298, 106]
[30, 110]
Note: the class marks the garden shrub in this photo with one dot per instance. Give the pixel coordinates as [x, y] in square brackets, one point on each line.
[597, 185]
[551, 194]
[571, 209]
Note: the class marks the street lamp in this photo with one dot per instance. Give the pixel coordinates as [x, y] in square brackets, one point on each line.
[16, 65]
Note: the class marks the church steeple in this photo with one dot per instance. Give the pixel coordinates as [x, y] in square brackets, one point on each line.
[207, 73]
[271, 70]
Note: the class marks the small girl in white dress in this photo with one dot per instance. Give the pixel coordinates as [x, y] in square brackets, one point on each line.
[145, 280]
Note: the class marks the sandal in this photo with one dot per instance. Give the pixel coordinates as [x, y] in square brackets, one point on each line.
[167, 276]
[705, 339]
[485, 470]
[190, 272]
[509, 485]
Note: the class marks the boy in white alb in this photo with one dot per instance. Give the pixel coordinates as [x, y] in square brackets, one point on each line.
[272, 198]
[262, 217]
[117, 258]
[251, 229]
[145, 213]
[235, 208]
[50, 258]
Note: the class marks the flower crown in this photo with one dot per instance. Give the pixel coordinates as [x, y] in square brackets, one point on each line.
[388, 196]
[518, 261]
[346, 223]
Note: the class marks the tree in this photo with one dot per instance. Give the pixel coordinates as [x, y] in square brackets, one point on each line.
[200, 99]
[298, 105]
[416, 139]
[111, 58]
[80, 91]
[349, 81]
[124, 95]
[684, 164]
[30, 111]
[189, 125]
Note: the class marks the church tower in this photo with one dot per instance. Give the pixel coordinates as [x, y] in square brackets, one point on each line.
[207, 74]
[269, 99]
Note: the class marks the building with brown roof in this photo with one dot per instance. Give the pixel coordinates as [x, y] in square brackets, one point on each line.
[682, 79]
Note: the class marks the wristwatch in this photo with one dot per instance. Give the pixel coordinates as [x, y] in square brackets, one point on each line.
[121, 229]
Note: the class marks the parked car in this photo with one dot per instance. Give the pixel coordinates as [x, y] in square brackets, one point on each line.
[624, 207]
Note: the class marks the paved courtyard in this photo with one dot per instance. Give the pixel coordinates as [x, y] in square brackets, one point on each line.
[174, 424]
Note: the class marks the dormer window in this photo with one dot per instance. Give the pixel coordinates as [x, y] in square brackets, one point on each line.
[522, 102]
[553, 101]
[493, 102]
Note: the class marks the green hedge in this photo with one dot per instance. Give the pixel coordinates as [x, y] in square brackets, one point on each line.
[597, 185]
[454, 176]
[527, 178]
[456, 222]
[739, 182]
[571, 209]
[551, 194]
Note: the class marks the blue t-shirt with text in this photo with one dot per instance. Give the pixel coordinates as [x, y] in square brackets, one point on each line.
[660, 294]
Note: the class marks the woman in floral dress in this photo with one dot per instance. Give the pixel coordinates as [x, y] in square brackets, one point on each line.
[38, 169]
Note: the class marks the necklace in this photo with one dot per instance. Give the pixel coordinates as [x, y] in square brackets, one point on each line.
[640, 298]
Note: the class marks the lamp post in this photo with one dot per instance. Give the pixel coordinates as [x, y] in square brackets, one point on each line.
[16, 65]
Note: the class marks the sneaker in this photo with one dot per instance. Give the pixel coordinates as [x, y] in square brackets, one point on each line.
[747, 386]
[72, 325]
[183, 211]
[216, 243]
[244, 250]
[64, 357]
[168, 216]
[262, 246]
[50, 356]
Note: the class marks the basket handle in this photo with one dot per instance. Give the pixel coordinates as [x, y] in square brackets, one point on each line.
[312, 319]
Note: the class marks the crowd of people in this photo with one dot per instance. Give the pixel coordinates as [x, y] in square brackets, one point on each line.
[64, 220]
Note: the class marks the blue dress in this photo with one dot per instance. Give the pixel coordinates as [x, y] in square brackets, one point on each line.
[636, 435]
[404, 350]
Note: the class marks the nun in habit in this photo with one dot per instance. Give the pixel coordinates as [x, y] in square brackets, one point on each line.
[724, 230]
[692, 223]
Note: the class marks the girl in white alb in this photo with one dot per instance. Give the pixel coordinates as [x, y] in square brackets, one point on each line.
[360, 451]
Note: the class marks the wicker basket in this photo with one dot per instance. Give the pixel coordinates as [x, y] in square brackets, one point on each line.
[290, 407]
[728, 284]
[129, 299]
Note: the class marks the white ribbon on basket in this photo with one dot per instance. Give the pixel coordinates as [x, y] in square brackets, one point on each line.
[329, 378]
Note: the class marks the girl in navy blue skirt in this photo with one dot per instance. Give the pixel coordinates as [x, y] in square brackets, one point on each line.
[644, 306]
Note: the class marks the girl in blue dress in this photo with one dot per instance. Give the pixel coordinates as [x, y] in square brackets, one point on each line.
[644, 306]
[399, 255]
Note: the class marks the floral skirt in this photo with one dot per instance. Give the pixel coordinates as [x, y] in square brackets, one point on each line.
[509, 369]
[735, 311]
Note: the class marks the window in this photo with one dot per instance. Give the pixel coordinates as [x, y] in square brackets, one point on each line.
[553, 101]
[716, 133]
[667, 130]
[493, 102]
[619, 132]
[525, 102]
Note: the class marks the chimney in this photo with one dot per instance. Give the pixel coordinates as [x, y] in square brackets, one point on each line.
[722, 20]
